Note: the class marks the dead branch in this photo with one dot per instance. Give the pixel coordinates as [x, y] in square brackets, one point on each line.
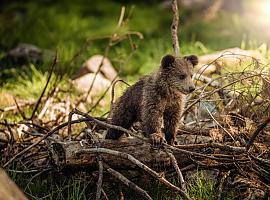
[213, 145]
[46, 85]
[43, 138]
[261, 160]
[178, 171]
[217, 90]
[19, 109]
[100, 178]
[174, 28]
[113, 87]
[8, 189]
[127, 182]
[107, 49]
[257, 132]
[137, 163]
[103, 95]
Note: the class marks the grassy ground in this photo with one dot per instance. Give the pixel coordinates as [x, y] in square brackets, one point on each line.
[80, 187]
[65, 26]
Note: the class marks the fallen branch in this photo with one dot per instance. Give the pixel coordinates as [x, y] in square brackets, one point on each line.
[257, 132]
[178, 171]
[139, 164]
[213, 145]
[46, 85]
[43, 138]
[127, 182]
[100, 178]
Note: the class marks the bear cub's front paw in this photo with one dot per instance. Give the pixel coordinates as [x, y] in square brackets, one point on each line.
[172, 142]
[157, 139]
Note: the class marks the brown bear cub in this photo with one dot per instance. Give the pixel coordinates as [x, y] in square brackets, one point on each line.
[156, 100]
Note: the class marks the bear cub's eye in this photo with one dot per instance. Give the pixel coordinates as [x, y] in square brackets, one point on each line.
[182, 76]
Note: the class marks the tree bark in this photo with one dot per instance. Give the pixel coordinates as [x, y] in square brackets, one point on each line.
[8, 189]
[65, 154]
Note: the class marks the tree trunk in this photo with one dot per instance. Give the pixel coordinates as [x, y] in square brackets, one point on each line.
[8, 189]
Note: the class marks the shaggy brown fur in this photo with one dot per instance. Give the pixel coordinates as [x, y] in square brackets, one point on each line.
[156, 99]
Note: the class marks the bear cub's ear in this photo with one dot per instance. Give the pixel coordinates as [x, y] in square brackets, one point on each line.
[167, 61]
[193, 59]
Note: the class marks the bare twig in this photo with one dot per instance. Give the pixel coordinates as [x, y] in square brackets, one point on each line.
[99, 69]
[14, 107]
[221, 185]
[174, 28]
[213, 145]
[257, 132]
[217, 90]
[113, 91]
[107, 49]
[103, 95]
[46, 85]
[178, 171]
[206, 79]
[127, 182]
[28, 171]
[122, 14]
[100, 178]
[104, 124]
[69, 124]
[19, 109]
[218, 123]
[264, 161]
[104, 194]
[48, 103]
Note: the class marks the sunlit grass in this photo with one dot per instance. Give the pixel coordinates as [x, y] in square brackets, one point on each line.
[202, 188]
[29, 85]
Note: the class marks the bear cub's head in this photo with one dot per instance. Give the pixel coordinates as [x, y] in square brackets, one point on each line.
[178, 72]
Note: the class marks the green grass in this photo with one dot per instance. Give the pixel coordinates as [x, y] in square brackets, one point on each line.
[200, 187]
[79, 187]
[30, 84]
[66, 25]
[51, 187]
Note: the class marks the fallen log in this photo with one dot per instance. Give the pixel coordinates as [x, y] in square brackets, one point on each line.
[65, 154]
